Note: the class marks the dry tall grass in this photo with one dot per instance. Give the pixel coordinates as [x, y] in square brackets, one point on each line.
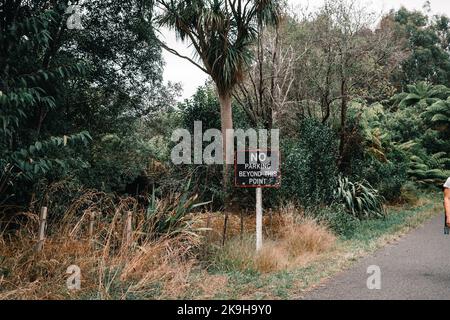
[149, 264]
[292, 240]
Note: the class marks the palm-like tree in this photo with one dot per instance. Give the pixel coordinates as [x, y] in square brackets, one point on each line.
[222, 33]
[422, 95]
[438, 114]
[429, 170]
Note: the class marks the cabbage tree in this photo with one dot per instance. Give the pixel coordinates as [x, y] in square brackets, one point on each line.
[222, 33]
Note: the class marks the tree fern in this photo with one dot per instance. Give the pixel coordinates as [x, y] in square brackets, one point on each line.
[429, 170]
[420, 95]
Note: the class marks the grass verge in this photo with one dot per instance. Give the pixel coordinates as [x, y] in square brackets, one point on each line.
[368, 237]
[299, 253]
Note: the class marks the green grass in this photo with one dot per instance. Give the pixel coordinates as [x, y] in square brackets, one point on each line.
[367, 237]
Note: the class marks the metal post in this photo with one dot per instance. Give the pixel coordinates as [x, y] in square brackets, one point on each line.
[259, 213]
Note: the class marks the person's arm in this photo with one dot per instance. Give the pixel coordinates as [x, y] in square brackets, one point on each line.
[447, 204]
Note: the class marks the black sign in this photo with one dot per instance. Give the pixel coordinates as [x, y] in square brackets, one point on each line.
[257, 169]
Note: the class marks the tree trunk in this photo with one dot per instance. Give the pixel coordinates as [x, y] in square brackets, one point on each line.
[227, 124]
[228, 145]
[343, 137]
[274, 104]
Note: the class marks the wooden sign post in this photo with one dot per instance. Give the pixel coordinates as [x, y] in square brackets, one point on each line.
[258, 169]
[91, 224]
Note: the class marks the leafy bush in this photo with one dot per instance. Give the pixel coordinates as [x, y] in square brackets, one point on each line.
[204, 106]
[372, 154]
[420, 95]
[429, 169]
[422, 123]
[437, 138]
[116, 161]
[338, 219]
[29, 91]
[387, 177]
[309, 167]
[359, 199]
[410, 193]
[168, 216]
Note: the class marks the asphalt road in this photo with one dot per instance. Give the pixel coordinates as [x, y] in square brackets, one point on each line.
[416, 267]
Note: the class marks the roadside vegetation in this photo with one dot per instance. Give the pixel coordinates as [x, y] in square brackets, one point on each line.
[363, 107]
[190, 263]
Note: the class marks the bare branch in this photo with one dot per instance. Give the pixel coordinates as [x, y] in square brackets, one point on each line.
[174, 52]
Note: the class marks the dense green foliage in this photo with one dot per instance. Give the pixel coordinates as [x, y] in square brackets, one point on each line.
[428, 39]
[362, 112]
[31, 83]
[71, 99]
[309, 164]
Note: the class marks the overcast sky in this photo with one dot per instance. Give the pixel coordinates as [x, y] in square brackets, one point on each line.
[180, 70]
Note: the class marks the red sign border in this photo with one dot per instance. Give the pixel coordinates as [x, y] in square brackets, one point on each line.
[275, 186]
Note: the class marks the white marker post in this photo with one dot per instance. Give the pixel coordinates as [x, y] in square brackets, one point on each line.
[259, 213]
[254, 169]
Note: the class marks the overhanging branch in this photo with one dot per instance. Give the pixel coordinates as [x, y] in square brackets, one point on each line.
[176, 53]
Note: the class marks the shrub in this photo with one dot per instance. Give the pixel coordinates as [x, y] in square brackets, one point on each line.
[387, 177]
[429, 170]
[338, 220]
[170, 214]
[371, 154]
[360, 199]
[309, 168]
[410, 193]
[204, 106]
